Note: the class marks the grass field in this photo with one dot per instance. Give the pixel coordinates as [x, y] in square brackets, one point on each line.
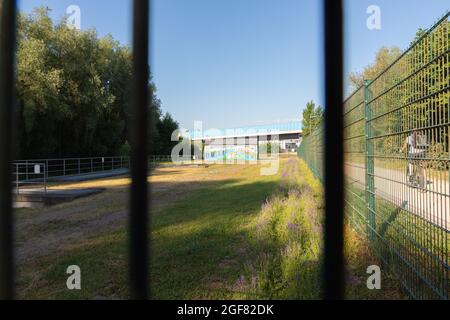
[218, 232]
[413, 248]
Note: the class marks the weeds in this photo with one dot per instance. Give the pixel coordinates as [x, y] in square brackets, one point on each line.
[288, 242]
[287, 238]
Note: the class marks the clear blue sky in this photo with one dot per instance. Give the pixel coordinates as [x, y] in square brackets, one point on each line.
[238, 62]
[400, 19]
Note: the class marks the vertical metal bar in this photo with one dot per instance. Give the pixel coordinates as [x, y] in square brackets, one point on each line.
[138, 223]
[334, 177]
[45, 178]
[7, 44]
[370, 168]
[17, 178]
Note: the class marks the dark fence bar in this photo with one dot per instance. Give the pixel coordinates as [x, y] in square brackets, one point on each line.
[138, 223]
[7, 44]
[334, 178]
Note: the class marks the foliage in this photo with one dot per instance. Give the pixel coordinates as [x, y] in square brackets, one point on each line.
[166, 126]
[287, 239]
[312, 117]
[384, 57]
[288, 243]
[269, 147]
[73, 91]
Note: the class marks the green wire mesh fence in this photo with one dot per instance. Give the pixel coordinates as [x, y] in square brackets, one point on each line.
[396, 145]
[311, 149]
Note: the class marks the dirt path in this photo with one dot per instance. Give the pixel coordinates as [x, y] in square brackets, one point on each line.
[41, 232]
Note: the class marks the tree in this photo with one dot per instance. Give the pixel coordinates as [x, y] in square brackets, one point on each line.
[312, 117]
[401, 88]
[384, 58]
[165, 128]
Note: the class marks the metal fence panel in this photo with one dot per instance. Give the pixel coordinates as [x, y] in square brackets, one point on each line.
[355, 166]
[311, 150]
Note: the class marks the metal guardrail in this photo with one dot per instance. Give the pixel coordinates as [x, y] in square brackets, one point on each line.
[29, 175]
[72, 166]
[66, 167]
[406, 107]
[36, 173]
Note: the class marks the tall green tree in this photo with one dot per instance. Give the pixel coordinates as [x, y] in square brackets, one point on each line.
[312, 117]
[166, 127]
[401, 88]
[384, 57]
[73, 91]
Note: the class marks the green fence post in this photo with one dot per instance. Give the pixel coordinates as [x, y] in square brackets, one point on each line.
[370, 168]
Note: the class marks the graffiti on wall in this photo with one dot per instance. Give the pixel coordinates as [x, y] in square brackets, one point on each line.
[227, 153]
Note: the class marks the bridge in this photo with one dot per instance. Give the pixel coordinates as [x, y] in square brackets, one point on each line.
[247, 143]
